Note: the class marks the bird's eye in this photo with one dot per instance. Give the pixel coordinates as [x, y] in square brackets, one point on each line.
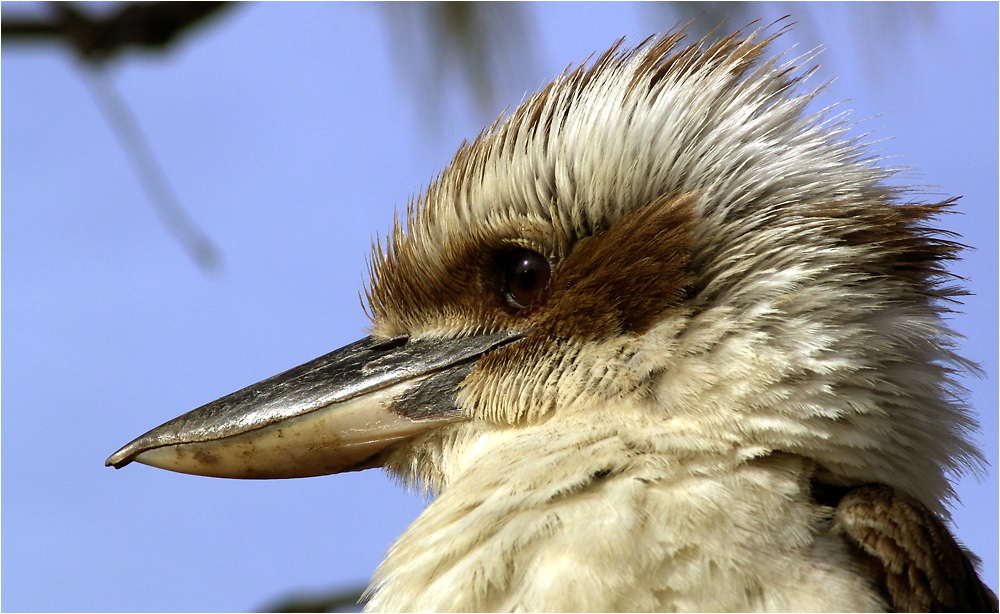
[525, 276]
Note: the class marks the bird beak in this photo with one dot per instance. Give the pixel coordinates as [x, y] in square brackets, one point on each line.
[339, 412]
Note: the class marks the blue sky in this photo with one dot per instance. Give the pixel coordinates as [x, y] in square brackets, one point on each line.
[290, 137]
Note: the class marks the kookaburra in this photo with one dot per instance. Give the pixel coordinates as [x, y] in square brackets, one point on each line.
[659, 340]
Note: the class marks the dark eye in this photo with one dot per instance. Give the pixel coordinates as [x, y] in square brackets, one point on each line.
[525, 275]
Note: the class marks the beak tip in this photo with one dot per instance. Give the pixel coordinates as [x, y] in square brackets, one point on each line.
[122, 457]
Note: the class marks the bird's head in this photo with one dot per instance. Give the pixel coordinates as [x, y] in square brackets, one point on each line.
[661, 249]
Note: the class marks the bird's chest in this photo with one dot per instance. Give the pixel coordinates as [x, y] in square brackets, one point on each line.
[745, 540]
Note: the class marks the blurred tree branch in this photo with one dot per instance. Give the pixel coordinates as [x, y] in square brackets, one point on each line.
[96, 40]
[485, 45]
[344, 599]
[154, 25]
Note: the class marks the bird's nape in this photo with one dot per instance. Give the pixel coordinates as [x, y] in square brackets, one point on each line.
[659, 340]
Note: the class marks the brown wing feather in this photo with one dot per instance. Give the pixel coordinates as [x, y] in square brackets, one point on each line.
[909, 553]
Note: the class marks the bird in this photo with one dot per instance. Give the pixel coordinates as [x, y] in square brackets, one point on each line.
[660, 339]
